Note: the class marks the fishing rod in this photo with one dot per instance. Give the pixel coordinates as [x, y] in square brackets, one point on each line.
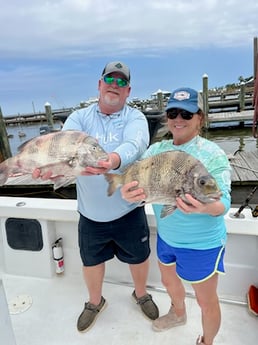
[246, 202]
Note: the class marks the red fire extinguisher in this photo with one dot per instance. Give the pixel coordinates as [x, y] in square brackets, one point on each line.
[58, 255]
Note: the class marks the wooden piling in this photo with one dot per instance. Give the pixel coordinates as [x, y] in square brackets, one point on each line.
[255, 52]
[205, 95]
[160, 101]
[242, 97]
[49, 115]
[5, 151]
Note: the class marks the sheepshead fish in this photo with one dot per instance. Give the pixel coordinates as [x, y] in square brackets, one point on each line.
[64, 153]
[166, 176]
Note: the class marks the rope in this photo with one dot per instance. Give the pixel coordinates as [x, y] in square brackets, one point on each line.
[240, 166]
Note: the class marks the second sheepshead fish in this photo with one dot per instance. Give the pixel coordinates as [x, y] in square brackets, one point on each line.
[166, 176]
[64, 153]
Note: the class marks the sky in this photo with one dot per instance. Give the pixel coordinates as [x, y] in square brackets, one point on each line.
[54, 51]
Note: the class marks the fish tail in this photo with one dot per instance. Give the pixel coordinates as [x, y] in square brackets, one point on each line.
[113, 183]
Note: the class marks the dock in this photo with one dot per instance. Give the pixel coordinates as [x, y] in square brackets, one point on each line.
[223, 107]
[243, 118]
[30, 118]
[244, 176]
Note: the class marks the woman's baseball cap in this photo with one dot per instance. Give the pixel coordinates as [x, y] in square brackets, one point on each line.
[185, 98]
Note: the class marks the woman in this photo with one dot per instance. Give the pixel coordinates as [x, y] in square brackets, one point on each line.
[191, 241]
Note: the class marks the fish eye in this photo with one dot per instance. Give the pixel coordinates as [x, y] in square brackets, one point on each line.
[71, 162]
[202, 181]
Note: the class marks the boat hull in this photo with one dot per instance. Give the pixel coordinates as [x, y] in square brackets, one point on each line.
[59, 220]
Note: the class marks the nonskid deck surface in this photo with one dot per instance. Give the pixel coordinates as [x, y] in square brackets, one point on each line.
[56, 304]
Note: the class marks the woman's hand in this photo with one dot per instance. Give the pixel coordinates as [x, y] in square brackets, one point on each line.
[214, 208]
[130, 194]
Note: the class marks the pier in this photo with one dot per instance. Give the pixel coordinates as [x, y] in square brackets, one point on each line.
[243, 118]
[244, 176]
[223, 107]
[29, 118]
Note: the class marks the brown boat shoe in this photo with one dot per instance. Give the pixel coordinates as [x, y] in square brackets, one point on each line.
[148, 307]
[89, 315]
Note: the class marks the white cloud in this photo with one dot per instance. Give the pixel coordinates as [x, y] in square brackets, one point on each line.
[58, 47]
[77, 28]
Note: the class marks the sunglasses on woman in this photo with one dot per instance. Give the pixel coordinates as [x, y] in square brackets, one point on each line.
[121, 82]
[174, 112]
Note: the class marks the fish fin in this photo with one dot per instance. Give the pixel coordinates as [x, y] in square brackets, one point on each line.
[22, 147]
[22, 178]
[63, 182]
[167, 210]
[113, 183]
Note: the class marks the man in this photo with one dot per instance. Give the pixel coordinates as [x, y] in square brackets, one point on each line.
[110, 226]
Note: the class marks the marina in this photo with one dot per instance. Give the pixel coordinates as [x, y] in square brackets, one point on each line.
[222, 107]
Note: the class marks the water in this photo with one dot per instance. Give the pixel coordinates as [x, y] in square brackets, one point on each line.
[230, 140]
[30, 131]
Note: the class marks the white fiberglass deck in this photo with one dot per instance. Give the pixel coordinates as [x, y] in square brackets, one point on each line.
[57, 302]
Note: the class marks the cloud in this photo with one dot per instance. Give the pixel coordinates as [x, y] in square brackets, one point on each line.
[57, 47]
[73, 29]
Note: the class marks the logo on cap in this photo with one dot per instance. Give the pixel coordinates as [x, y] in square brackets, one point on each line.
[181, 95]
[118, 65]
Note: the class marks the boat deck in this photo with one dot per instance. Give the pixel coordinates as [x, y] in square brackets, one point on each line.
[54, 302]
[57, 302]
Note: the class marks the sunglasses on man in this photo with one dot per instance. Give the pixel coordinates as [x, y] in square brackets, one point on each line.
[121, 82]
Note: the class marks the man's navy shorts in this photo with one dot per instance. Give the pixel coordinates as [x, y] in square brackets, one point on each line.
[127, 238]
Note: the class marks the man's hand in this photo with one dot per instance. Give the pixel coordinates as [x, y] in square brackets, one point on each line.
[37, 174]
[113, 162]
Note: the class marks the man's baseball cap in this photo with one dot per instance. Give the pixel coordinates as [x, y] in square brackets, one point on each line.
[117, 66]
[185, 98]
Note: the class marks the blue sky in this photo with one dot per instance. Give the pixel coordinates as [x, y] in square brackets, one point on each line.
[54, 51]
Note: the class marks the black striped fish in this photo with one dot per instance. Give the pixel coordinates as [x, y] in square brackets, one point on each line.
[166, 176]
[64, 153]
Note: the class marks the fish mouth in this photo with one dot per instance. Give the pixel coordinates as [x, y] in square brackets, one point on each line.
[104, 158]
[214, 196]
[101, 159]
